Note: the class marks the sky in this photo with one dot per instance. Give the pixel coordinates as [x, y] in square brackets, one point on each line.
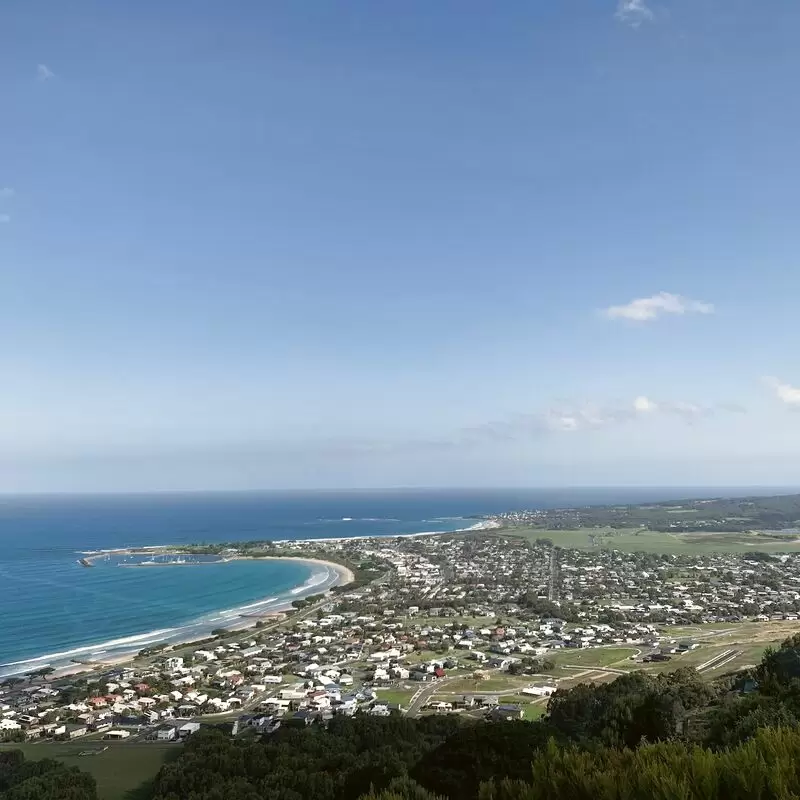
[357, 244]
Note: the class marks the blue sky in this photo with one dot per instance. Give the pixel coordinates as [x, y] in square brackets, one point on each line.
[353, 244]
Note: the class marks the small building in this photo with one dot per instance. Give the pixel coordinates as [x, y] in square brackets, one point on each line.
[187, 729]
[116, 735]
[506, 712]
[167, 733]
[74, 731]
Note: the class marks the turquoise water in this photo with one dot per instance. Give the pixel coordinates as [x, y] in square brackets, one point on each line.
[60, 607]
[53, 610]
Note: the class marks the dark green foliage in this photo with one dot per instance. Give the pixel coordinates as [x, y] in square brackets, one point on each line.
[402, 789]
[632, 708]
[764, 768]
[779, 667]
[42, 780]
[350, 758]
[479, 753]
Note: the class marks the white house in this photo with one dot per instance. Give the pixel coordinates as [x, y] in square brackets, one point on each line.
[205, 655]
[188, 729]
[167, 733]
[539, 691]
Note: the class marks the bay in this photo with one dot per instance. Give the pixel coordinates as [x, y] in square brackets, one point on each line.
[52, 610]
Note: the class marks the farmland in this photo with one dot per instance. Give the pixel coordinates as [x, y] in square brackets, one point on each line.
[633, 540]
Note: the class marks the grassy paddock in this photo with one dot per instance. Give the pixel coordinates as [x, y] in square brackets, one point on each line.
[119, 771]
[593, 656]
[395, 696]
[642, 540]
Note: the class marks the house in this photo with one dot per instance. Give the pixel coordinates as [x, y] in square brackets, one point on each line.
[381, 676]
[205, 655]
[539, 691]
[348, 704]
[187, 729]
[401, 673]
[54, 729]
[117, 735]
[174, 662]
[167, 733]
[101, 726]
[300, 719]
[506, 712]
[74, 731]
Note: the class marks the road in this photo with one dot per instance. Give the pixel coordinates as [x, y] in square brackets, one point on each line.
[424, 694]
[552, 590]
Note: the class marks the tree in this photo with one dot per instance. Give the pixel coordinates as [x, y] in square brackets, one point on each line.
[402, 789]
[42, 780]
[764, 767]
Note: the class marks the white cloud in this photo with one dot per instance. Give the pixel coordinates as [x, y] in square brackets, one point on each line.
[5, 218]
[644, 405]
[644, 309]
[633, 12]
[593, 417]
[6, 192]
[44, 73]
[785, 392]
[563, 422]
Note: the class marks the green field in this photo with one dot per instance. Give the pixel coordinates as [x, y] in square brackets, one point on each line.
[642, 540]
[119, 771]
[531, 711]
[498, 682]
[593, 656]
[395, 696]
[420, 656]
[746, 655]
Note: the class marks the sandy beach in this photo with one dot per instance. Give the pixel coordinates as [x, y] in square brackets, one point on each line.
[345, 575]
[336, 575]
[483, 525]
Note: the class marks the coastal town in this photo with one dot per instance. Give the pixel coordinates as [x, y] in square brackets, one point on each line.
[476, 623]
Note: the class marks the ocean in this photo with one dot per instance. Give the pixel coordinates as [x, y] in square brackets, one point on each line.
[54, 612]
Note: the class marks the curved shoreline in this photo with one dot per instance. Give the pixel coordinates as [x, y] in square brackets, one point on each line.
[125, 648]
